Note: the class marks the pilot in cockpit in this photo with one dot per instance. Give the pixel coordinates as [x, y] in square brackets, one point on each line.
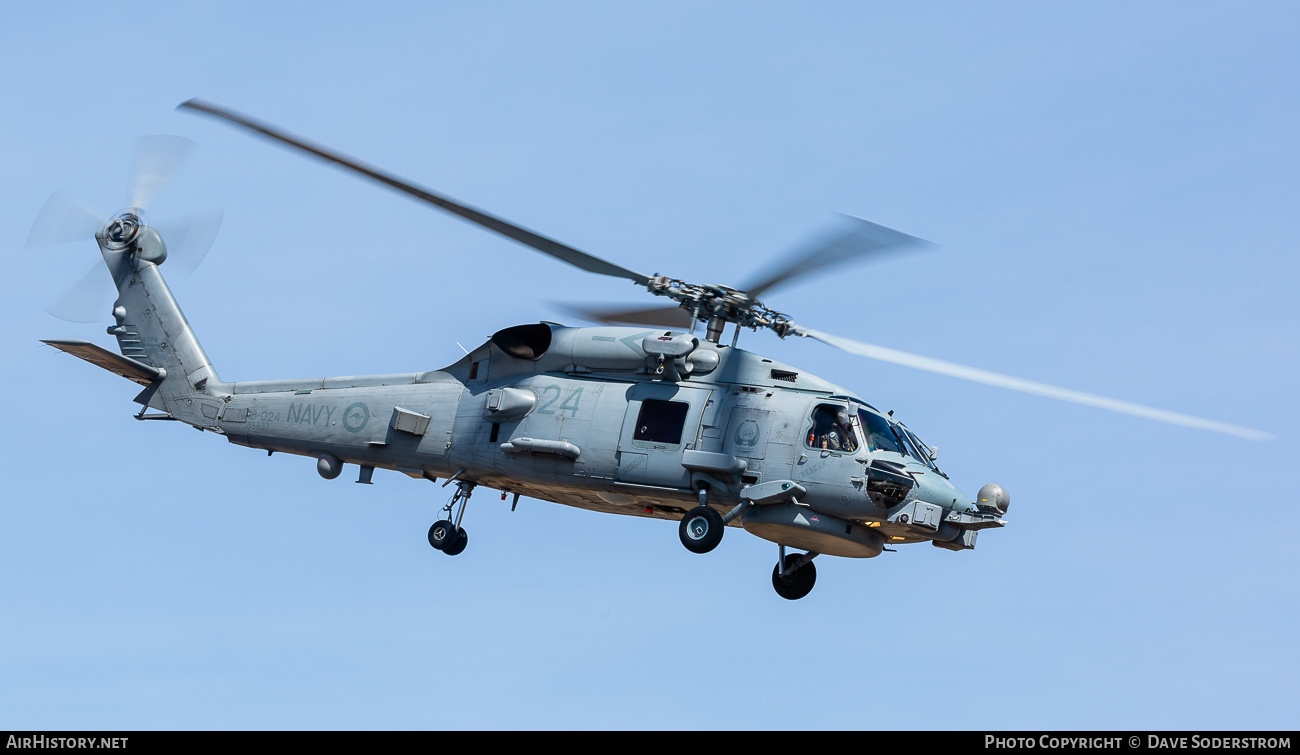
[832, 430]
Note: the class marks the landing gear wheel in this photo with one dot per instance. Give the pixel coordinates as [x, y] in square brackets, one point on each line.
[798, 583]
[442, 534]
[701, 529]
[457, 545]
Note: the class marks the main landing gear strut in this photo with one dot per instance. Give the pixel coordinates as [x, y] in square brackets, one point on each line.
[701, 531]
[445, 535]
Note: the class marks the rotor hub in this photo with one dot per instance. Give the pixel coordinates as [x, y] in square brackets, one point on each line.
[122, 230]
[711, 300]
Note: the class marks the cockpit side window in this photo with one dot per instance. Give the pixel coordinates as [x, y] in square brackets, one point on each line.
[832, 429]
[879, 435]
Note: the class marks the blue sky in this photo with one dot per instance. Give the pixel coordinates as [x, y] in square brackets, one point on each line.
[1112, 189]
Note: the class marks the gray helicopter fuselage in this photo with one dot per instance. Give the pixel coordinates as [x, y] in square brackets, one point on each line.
[563, 418]
[635, 421]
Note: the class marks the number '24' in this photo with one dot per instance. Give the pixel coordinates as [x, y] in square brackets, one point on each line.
[569, 406]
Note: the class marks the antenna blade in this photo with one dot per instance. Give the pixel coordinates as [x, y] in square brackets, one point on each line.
[547, 246]
[1025, 386]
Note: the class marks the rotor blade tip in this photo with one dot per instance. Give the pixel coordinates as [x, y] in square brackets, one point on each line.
[897, 237]
[200, 105]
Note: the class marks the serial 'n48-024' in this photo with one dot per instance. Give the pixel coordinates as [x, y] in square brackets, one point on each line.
[651, 420]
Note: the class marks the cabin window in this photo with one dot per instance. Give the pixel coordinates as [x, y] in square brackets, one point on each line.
[832, 429]
[473, 370]
[661, 421]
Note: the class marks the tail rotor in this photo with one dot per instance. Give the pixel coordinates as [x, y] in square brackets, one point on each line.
[64, 220]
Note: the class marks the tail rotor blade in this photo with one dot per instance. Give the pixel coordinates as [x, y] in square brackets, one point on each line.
[189, 241]
[88, 300]
[1025, 386]
[62, 220]
[156, 161]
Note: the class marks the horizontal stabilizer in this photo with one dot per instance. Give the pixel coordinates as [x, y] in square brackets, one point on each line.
[117, 364]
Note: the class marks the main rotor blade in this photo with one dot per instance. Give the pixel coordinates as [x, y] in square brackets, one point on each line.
[1025, 386]
[667, 317]
[541, 243]
[858, 239]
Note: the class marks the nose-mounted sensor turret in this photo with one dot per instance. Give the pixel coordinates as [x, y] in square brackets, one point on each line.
[993, 498]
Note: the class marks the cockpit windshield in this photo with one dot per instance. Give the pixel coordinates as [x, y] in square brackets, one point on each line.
[879, 435]
[908, 443]
[917, 447]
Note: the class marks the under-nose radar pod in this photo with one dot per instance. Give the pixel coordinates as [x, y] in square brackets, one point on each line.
[640, 416]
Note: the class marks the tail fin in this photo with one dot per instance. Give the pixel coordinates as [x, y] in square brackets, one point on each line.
[150, 327]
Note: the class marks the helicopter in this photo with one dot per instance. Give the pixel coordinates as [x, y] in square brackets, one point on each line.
[637, 417]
